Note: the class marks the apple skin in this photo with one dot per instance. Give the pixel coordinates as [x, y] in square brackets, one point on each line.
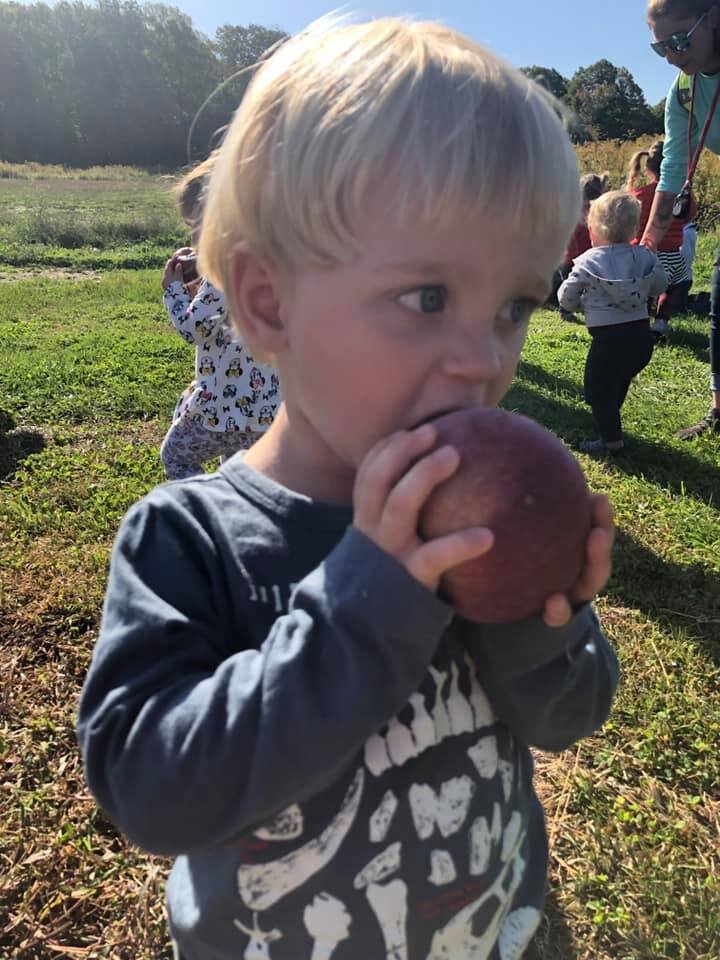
[520, 481]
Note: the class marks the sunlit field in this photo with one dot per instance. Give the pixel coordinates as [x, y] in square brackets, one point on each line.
[89, 372]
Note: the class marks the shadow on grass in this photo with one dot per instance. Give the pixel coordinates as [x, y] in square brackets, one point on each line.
[693, 340]
[549, 381]
[681, 596]
[668, 467]
[15, 445]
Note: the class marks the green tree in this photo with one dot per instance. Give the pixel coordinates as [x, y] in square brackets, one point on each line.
[608, 104]
[116, 81]
[549, 78]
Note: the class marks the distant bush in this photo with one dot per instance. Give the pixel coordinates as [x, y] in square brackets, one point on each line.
[52, 171]
[614, 156]
[66, 228]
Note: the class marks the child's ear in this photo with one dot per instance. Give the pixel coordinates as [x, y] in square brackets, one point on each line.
[255, 301]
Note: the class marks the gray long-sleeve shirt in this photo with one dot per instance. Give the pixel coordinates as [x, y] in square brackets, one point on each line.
[612, 284]
[339, 765]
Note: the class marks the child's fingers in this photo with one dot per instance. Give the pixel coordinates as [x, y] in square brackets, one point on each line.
[603, 513]
[598, 566]
[402, 508]
[557, 611]
[381, 469]
[432, 559]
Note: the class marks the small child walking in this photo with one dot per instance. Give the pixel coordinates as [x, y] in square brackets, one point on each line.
[234, 397]
[612, 283]
[672, 252]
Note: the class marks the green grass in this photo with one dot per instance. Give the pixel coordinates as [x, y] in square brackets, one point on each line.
[89, 224]
[45, 171]
[89, 372]
[105, 346]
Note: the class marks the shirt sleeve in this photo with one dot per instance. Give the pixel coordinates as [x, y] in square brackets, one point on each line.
[186, 746]
[195, 319]
[673, 170]
[572, 289]
[551, 686]
[658, 280]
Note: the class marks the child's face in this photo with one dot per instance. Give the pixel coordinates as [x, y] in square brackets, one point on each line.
[424, 321]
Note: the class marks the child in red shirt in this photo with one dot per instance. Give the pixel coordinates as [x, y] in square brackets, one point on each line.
[669, 251]
[592, 186]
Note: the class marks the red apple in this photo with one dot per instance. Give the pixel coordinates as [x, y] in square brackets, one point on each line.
[520, 480]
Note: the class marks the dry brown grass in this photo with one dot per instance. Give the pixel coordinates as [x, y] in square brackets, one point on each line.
[632, 813]
[614, 156]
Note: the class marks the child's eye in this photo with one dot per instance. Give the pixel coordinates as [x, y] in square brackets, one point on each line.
[430, 299]
[519, 311]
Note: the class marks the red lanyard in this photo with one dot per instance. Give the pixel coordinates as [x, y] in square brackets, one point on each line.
[693, 160]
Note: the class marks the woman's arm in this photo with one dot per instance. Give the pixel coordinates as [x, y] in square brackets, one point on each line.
[659, 219]
[672, 172]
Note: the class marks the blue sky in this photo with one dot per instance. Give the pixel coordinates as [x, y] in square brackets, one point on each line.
[550, 33]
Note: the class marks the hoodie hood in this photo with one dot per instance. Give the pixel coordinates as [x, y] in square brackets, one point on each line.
[629, 266]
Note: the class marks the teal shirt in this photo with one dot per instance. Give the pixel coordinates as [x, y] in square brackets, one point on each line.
[674, 164]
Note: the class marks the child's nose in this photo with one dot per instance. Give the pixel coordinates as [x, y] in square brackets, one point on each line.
[474, 356]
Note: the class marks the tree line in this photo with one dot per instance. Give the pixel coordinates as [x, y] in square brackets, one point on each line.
[605, 101]
[121, 82]
[116, 81]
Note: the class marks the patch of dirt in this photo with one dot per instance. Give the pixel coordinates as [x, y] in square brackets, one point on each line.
[48, 273]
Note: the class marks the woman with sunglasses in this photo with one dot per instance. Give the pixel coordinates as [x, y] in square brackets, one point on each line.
[687, 34]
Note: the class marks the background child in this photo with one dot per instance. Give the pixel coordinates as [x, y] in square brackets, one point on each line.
[592, 185]
[669, 252]
[612, 283]
[278, 696]
[233, 398]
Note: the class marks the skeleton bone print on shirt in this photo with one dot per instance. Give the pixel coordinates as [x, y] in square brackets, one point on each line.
[420, 853]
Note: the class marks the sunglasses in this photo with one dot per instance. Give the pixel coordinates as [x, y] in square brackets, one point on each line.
[677, 42]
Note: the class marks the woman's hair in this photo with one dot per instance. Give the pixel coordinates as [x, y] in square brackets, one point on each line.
[344, 114]
[593, 185]
[190, 190]
[615, 216]
[653, 161]
[677, 8]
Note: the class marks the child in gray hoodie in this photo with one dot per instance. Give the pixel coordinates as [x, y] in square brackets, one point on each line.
[612, 283]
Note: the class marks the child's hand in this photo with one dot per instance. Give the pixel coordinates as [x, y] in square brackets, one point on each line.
[392, 484]
[558, 607]
[173, 269]
[193, 287]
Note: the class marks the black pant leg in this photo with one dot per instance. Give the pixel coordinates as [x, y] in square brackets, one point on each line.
[601, 386]
[617, 354]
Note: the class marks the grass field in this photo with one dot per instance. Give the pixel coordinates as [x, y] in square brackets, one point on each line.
[89, 372]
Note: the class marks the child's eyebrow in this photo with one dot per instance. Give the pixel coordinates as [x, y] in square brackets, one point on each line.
[416, 266]
[534, 284]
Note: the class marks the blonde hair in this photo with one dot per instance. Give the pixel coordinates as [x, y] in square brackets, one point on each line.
[677, 8]
[342, 109]
[653, 161]
[615, 216]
